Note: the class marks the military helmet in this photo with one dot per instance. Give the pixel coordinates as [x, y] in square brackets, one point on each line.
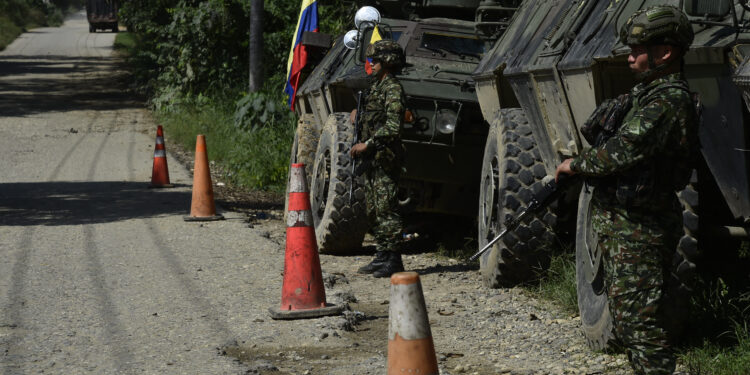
[661, 24]
[387, 52]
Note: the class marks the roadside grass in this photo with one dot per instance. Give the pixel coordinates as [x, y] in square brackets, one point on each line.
[256, 158]
[9, 31]
[125, 43]
[558, 283]
[19, 17]
[714, 359]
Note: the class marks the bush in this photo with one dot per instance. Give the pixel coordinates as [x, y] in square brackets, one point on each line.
[256, 157]
[191, 59]
[19, 15]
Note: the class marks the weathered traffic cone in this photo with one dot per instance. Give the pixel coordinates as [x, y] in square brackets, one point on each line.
[202, 207]
[302, 291]
[410, 346]
[160, 172]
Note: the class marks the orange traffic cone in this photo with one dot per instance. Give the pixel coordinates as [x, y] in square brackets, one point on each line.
[202, 207]
[160, 172]
[302, 292]
[410, 346]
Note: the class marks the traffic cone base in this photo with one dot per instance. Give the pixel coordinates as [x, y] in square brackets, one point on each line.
[202, 207]
[302, 293]
[404, 354]
[203, 218]
[410, 346]
[327, 310]
[160, 171]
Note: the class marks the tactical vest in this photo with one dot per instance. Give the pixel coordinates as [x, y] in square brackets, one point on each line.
[644, 184]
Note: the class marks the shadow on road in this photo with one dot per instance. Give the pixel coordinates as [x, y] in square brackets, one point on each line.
[75, 203]
[49, 83]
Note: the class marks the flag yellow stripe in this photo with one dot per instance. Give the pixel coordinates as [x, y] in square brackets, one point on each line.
[305, 4]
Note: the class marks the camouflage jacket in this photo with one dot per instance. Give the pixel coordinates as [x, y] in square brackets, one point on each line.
[382, 121]
[651, 154]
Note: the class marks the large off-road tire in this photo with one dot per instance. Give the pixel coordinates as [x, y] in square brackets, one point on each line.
[512, 171]
[303, 151]
[683, 264]
[340, 222]
[596, 320]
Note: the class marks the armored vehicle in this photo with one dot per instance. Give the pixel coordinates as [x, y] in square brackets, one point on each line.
[444, 132]
[102, 14]
[543, 78]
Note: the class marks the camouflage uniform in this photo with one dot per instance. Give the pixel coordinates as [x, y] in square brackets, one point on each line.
[637, 215]
[381, 130]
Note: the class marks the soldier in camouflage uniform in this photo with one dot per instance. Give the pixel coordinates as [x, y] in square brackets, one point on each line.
[381, 151]
[636, 171]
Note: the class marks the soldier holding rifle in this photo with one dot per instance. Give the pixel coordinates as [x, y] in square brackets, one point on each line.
[381, 154]
[636, 166]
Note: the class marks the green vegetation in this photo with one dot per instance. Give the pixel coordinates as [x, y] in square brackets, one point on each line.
[16, 16]
[190, 58]
[559, 283]
[716, 360]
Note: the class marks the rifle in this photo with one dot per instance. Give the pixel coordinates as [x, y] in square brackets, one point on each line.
[542, 199]
[357, 130]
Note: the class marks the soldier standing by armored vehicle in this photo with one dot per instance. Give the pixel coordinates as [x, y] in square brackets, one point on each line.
[381, 156]
[636, 170]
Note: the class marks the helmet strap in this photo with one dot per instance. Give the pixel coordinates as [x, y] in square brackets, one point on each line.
[653, 69]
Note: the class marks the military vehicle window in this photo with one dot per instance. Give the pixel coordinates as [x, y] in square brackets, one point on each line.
[452, 44]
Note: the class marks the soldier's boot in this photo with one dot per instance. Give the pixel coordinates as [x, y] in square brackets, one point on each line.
[381, 257]
[391, 266]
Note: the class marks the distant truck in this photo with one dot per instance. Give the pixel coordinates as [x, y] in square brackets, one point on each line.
[102, 14]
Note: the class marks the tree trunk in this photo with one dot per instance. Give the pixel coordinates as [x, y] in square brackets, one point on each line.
[256, 46]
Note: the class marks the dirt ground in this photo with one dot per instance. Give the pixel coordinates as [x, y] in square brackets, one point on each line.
[476, 330]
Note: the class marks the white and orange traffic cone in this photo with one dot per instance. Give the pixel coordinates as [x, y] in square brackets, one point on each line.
[202, 206]
[410, 346]
[160, 172]
[302, 293]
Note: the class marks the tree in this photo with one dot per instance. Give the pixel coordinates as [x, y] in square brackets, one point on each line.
[255, 60]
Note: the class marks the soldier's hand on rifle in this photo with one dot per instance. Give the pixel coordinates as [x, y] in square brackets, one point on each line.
[353, 116]
[564, 168]
[358, 149]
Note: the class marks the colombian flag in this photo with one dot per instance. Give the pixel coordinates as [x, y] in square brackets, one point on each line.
[375, 37]
[308, 21]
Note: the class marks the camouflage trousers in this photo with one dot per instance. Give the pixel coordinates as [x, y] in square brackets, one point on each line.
[635, 253]
[382, 209]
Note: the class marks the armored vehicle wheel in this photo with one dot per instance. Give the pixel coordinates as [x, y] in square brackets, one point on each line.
[340, 225]
[303, 150]
[512, 171]
[687, 249]
[596, 320]
[92, 29]
[115, 27]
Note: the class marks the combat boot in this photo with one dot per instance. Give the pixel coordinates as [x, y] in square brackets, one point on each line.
[380, 259]
[392, 265]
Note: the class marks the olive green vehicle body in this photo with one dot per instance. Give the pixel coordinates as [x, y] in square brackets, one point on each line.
[559, 59]
[442, 169]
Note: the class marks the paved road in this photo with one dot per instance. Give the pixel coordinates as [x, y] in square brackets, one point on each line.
[99, 274]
